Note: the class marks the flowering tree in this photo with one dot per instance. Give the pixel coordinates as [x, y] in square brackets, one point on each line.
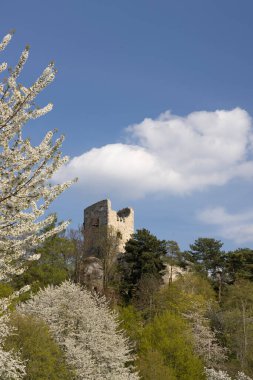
[213, 374]
[25, 191]
[87, 331]
[205, 341]
[11, 367]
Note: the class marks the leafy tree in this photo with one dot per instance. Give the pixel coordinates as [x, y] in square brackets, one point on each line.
[58, 250]
[237, 320]
[86, 330]
[194, 284]
[144, 255]
[132, 322]
[152, 366]
[56, 264]
[144, 297]
[192, 297]
[169, 335]
[12, 367]
[181, 296]
[43, 356]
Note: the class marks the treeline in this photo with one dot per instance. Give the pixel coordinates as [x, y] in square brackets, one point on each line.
[203, 318]
[199, 325]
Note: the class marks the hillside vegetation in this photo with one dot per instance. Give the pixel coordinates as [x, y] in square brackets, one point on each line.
[197, 326]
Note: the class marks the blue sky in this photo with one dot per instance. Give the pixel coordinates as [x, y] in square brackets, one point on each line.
[121, 66]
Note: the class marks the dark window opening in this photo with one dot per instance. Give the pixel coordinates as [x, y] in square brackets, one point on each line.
[95, 222]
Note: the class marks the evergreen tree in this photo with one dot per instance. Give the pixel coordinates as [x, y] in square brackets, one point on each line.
[206, 253]
[144, 255]
[239, 264]
[208, 258]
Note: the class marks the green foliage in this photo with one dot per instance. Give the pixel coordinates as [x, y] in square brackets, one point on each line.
[238, 294]
[54, 266]
[153, 320]
[145, 294]
[207, 255]
[169, 335]
[239, 264]
[182, 295]
[36, 346]
[174, 254]
[39, 275]
[163, 342]
[131, 322]
[5, 290]
[237, 320]
[196, 284]
[152, 366]
[208, 258]
[144, 255]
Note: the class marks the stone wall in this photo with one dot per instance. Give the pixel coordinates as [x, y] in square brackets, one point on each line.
[171, 273]
[99, 218]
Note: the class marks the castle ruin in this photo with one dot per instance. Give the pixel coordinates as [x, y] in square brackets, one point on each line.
[105, 234]
[101, 222]
[100, 219]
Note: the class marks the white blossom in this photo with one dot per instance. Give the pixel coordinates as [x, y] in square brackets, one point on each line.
[206, 344]
[242, 376]
[3, 66]
[5, 41]
[25, 190]
[87, 331]
[11, 366]
[213, 374]
[25, 170]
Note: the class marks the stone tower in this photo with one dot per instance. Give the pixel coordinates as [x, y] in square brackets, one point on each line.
[100, 218]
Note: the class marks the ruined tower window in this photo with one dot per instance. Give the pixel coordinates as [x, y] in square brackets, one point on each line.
[119, 235]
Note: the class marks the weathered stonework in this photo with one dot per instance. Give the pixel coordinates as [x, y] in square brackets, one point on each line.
[99, 218]
[91, 273]
[171, 273]
[99, 221]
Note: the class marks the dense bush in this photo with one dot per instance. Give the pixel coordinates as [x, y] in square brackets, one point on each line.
[43, 357]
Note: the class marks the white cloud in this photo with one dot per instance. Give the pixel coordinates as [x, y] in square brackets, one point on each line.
[170, 154]
[237, 227]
